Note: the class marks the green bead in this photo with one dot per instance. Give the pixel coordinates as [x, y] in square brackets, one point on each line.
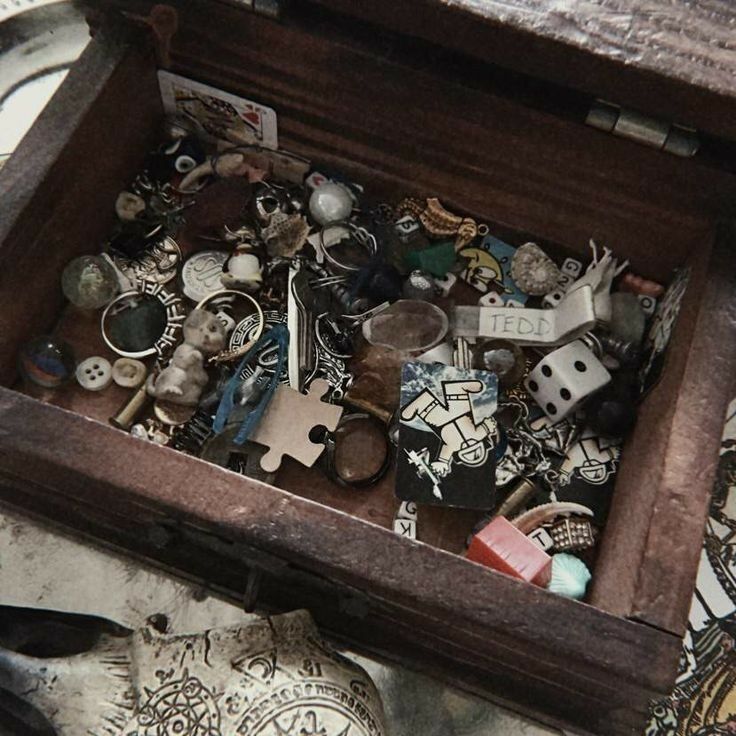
[437, 260]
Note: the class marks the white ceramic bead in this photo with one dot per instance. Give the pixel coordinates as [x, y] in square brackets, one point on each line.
[330, 202]
[128, 372]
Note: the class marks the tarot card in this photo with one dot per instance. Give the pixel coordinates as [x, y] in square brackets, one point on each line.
[447, 436]
[489, 266]
[221, 116]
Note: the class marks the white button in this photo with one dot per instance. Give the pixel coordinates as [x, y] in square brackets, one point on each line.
[128, 372]
[94, 373]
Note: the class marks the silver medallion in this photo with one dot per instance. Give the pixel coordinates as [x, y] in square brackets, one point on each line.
[247, 330]
[158, 266]
[327, 366]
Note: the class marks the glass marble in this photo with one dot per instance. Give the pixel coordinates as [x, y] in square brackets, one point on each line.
[89, 282]
[46, 361]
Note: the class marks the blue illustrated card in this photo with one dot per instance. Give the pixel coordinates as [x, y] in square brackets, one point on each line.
[489, 268]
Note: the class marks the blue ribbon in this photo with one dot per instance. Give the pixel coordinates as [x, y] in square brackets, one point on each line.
[277, 335]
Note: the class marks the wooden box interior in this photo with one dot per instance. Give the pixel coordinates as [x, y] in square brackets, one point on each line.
[402, 123]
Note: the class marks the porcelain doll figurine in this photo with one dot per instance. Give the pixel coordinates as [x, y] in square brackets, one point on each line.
[182, 381]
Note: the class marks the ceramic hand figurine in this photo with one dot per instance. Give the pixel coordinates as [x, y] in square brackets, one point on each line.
[182, 381]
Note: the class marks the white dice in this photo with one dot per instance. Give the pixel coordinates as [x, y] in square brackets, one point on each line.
[562, 379]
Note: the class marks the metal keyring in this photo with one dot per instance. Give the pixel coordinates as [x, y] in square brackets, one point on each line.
[360, 235]
[227, 355]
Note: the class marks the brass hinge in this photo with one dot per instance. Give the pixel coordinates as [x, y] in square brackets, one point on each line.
[268, 8]
[660, 134]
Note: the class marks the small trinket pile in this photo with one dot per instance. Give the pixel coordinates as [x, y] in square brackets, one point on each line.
[250, 299]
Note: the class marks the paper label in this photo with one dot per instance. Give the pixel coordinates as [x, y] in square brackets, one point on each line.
[573, 317]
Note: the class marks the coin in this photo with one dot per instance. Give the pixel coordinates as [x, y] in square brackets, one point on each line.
[202, 274]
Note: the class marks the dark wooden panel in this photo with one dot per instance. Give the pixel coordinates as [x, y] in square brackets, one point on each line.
[114, 472]
[58, 190]
[651, 548]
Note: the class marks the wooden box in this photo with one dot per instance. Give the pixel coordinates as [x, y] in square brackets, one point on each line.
[480, 103]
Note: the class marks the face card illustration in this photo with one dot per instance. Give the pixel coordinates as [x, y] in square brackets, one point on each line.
[219, 115]
[489, 266]
[447, 436]
[658, 337]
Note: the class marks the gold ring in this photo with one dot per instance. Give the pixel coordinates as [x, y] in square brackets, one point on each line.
[226, 355]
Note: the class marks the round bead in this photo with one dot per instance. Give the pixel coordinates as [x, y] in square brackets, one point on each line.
[330, 202]
[46, 361]
[128, 372]
[89, 282]
[94, 374]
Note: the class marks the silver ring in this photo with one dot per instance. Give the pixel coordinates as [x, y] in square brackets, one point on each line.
[360, 235]
[174, 318]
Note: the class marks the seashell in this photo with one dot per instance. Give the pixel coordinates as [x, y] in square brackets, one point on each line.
[533, 271]
[539, 515]
[409, 206]
[466, 233]
[570, 576]
[285, 235]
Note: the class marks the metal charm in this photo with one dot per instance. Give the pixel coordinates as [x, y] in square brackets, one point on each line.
[158, 266]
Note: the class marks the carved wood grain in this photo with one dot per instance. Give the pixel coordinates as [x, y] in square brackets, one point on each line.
[676, 60]
[651, 549]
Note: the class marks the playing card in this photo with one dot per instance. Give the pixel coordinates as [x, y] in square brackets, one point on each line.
[660, 331]
[447, 436]
[221, 116]
[588, 473]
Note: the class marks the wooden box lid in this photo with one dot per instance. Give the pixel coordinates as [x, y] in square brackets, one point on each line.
[674, 60]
